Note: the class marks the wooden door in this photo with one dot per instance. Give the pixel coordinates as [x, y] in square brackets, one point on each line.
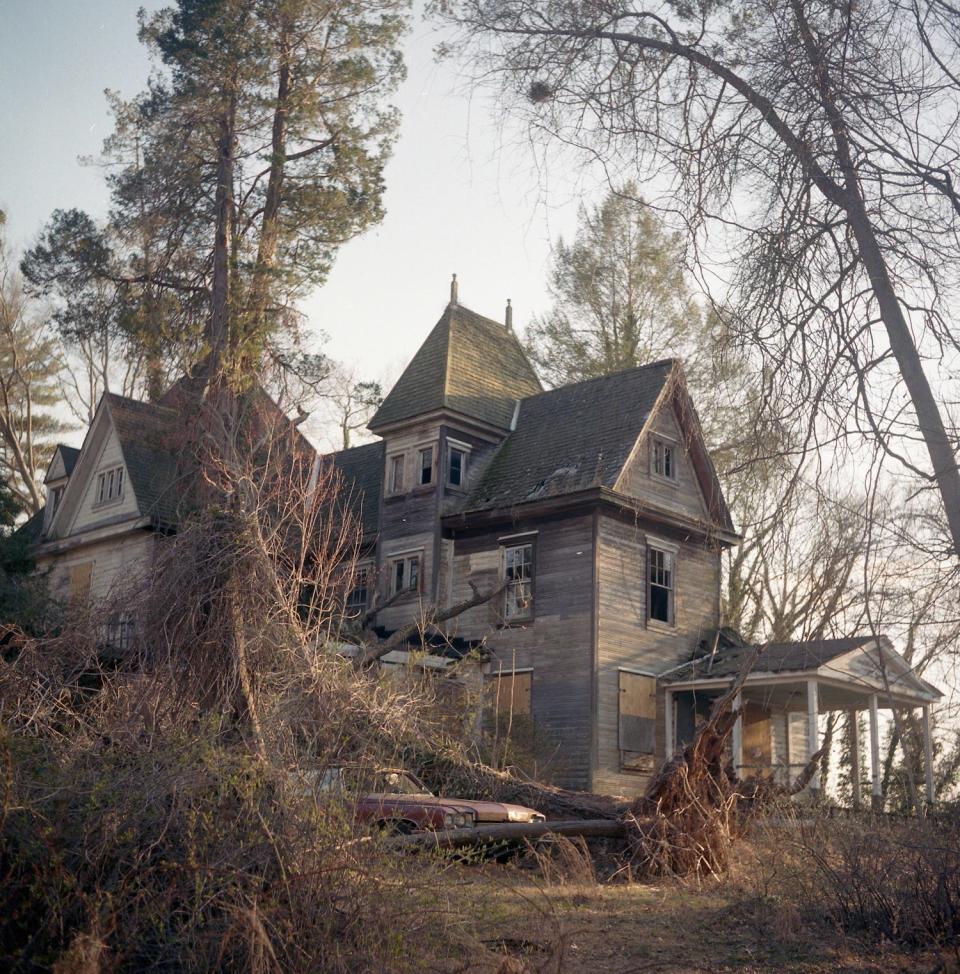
[638, 719]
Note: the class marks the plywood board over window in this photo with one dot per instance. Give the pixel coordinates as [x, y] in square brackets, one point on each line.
[638, 720]
[511, 693]
[80, 576]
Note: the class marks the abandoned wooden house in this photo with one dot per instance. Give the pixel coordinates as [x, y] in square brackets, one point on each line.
[593, 508]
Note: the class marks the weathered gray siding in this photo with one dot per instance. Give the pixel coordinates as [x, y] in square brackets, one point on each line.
[556, 644]
[626, 639]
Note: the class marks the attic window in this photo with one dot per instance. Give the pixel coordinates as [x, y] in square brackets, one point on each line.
[663, 460]
[110, 485]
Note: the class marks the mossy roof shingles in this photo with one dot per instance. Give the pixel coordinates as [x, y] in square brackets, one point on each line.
[571, 438]
[468, 364]
[362, 470]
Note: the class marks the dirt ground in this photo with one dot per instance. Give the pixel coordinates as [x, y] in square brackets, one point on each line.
[618, 928]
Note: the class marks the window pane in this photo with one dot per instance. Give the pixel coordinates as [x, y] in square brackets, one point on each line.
[398, 576]
[426, 466]
[396, 474]
[456, 467]
[414, 573]
[518, 571]
[661, 585]
[119, 481]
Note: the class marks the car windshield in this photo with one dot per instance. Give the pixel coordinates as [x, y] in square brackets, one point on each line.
[367, 781]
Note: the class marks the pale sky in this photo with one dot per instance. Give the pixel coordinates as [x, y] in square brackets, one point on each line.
[462, 195]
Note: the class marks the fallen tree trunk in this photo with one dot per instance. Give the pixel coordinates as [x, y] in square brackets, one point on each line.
[600, 828]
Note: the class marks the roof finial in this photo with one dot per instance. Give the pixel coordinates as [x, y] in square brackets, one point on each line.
[453, 290]
[508, 316]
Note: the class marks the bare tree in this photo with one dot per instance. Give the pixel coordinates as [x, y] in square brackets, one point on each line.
[350, 402]
[816, 142]
[29, 367]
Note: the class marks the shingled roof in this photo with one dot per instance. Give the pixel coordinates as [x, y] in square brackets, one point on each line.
[362, 469]
[571, 438]
[792, 657]
[150, 436]
[469, 365]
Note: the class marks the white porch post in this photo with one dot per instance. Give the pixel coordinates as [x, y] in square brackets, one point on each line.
[737, 743]
[875, 754]
[854, 745]
[813, 729]
[668, 744]
[928, 755]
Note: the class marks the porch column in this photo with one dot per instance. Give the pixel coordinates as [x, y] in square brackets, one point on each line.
[737, 743]
[928, 755]
[668, 744]
[854, 746]
[877, 796]
[813, 729]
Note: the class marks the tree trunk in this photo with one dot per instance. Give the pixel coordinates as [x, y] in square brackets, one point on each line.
[219, 322]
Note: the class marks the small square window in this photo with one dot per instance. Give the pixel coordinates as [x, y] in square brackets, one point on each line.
[457, 467]
[660, 586]
[664, 461]
[426, 466]
[396, 475]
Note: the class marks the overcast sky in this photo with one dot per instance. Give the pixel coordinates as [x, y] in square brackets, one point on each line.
[462, 195]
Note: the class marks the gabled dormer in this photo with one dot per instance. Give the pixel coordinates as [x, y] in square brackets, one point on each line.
[55, 483]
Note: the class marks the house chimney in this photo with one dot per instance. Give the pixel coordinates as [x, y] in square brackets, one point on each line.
[453, 290]
[508, 316]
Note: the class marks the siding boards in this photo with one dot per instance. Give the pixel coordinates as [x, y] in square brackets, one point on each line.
[114, 563]
[556, 644]
[625, 640]
[88, 514]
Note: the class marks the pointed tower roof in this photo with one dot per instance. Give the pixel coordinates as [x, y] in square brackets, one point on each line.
[469, 365]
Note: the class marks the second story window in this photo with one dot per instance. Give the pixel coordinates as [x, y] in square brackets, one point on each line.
[457, 467]
[660, 586]
[110, 485]
[518, 576]
[405, 574]
[664, 460]
[395, 475]
[426, 465]
[56, 495]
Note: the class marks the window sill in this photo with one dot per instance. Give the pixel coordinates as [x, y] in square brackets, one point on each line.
[657, 626]
[424, 488]
[666, 481]
[517, 622]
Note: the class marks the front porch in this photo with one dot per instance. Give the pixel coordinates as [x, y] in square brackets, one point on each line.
[790, 686]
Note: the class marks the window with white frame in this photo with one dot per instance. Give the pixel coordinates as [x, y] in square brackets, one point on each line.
[456, 466]
[660, 577]
[358, 599]
[663, 460]
[110, 485]
[395, 475]
[405, 574]
[518, 579]
[426, 466]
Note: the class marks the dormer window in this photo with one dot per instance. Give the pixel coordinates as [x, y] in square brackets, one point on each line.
[110, 485]
[456, 466]
[663, 461]
[395, 482]
[426, 466]
[56, 495]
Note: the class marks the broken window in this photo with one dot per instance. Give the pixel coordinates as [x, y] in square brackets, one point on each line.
[358, 599]
[664, 460]
[660, 585]
[405, 574]
[518, 576]
[395, 482]
[426, 465]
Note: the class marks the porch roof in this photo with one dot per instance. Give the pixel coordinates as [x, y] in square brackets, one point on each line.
[860, 665]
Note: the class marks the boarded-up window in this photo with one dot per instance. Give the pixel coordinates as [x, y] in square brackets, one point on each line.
[638, 719]
[511, 693]
[80, 576]
[757, 753]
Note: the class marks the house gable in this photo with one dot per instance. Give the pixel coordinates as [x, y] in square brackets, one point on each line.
[80, 509]
[690, 488]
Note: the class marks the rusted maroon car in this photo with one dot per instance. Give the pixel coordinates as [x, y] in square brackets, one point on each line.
[394, 799]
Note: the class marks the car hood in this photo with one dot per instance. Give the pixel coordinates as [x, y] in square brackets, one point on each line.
[483, 810]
